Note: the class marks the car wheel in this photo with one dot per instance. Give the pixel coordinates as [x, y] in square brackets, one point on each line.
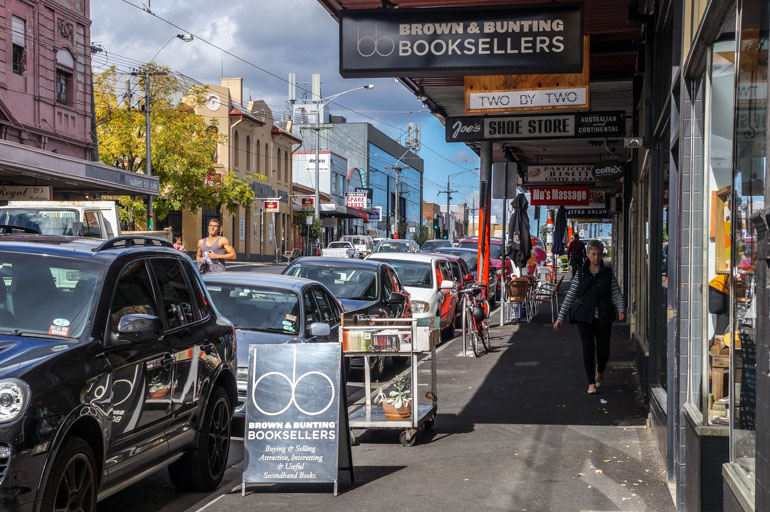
[449, 331]
[72, 482]
[202, 469]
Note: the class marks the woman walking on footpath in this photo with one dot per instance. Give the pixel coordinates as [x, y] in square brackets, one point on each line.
[592, 302]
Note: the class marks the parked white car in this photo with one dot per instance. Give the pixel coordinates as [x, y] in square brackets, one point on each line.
[363, 243]
[430, 282]
[340, 250]
[90, 219]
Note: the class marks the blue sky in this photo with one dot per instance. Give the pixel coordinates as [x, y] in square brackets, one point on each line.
[278, 36]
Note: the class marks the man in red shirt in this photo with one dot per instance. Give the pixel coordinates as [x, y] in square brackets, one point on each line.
[576, 251]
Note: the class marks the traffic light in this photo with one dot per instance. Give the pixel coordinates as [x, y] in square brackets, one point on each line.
[436, 227]
[445, 236]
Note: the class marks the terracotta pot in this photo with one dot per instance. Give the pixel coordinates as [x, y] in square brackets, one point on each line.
[160, 393]
[391, 411]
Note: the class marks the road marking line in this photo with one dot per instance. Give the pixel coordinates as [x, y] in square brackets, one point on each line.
[211, 502]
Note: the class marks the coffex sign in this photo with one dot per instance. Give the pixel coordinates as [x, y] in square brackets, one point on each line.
[549, 126]
[435, 42]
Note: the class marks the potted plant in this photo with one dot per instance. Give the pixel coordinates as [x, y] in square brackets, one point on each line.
[398, 402]
[158, 389]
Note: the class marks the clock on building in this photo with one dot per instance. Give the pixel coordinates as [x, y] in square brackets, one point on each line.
[213, 102]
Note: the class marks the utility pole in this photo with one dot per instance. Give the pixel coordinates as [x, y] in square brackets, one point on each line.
[148, 129]
[448, 193]
[398, 168]
[473, 220]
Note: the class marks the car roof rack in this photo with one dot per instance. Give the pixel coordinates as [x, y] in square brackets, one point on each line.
[130, 241]
[10, 228]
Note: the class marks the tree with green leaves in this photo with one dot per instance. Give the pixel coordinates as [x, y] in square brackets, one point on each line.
[183, 143]
[422, 235]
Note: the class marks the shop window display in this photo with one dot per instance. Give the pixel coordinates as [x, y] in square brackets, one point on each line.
[717, 208]
[748, 197]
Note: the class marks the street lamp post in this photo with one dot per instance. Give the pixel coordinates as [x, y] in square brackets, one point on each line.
[148, 129]
[320, 104]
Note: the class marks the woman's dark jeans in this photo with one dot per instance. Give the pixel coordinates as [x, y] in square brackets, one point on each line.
[596, 339]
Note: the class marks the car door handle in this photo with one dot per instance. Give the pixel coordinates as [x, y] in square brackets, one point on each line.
[208, 347]
[167, 361]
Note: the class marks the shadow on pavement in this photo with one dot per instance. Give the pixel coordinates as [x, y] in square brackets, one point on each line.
[538, 378]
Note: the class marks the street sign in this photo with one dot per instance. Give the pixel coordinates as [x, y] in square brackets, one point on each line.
[292, 432]
[581, 174]
[214, 179]
[376, 214]
[356, 199]
[308, 203]
[366, 190]
[309, 220]
[530, 127]
[25, 193]
[499, 172]
[434, 42]
[558, 196]
[610, 171]
[272, 206]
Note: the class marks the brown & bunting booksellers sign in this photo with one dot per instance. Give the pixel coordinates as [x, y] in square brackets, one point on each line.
[473, 41]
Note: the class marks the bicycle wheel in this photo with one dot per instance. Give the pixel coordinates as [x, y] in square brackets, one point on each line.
[471, 332]
[485, 336]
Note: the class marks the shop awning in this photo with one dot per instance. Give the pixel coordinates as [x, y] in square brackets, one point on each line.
[342, 212]
[24, 165]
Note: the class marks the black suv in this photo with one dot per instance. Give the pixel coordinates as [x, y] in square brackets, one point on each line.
[113, 364]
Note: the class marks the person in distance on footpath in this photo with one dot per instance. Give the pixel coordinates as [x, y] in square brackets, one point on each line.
[214, 250]
[576, 252]
[593, 302]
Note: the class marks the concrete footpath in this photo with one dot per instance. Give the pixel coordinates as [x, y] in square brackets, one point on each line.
[515, 431]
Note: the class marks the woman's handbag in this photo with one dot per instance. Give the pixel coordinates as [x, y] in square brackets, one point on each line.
[573, 311]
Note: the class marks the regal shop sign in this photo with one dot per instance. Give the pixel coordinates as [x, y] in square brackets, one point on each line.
[550, 126]
[474, 41]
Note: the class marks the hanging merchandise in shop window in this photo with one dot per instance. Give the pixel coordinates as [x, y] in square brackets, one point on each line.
[433, 42]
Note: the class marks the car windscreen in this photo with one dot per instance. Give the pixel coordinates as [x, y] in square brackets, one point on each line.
[469, 257]
[257, 308]
[495, 251]
[344, 283]
[339, 245]
[392, 247]
[47, 222]
[46, 295]
[413, 273]
[430, 244]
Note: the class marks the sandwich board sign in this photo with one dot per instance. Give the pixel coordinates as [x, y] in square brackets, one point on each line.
[296, 427]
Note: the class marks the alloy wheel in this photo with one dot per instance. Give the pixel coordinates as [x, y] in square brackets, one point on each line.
[75, 491]
[219, 437]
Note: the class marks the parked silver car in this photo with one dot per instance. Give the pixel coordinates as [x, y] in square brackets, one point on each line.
[269, 308]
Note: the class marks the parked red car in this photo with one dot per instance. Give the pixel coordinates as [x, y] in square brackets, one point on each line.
[495, 256]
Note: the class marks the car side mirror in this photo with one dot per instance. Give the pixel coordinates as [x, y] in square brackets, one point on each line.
[468, 277]
[320, 329]
[446, 284]
[138, 328]
[396, 298]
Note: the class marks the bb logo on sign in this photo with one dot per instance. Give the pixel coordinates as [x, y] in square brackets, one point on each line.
[367, 46]
[316, 392]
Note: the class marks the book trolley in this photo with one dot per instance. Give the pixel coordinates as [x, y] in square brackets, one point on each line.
[367, 337]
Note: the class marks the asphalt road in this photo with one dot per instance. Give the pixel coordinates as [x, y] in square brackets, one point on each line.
[156, 492]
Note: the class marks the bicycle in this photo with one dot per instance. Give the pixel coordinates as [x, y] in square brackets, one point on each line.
[476, 326]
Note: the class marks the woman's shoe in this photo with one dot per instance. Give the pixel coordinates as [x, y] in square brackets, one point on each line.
[598, 379]
[592, 389]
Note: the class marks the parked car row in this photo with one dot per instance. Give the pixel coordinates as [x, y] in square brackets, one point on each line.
[117, 358]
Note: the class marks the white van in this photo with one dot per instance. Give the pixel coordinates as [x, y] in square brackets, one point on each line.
[363, 243]
[89, 219]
